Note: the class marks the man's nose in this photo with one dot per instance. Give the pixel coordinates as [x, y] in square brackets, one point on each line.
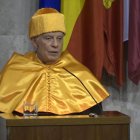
[55, 42]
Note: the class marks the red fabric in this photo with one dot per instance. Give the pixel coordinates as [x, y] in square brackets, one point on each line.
[134, 42]
[97, 39]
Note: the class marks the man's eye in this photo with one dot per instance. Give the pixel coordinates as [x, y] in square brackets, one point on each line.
[60, 38]
[47, 38]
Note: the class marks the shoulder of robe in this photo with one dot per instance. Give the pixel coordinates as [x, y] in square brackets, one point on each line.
[74, 64]
[18, 60]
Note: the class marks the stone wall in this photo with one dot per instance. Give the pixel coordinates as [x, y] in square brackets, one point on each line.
[14, 18]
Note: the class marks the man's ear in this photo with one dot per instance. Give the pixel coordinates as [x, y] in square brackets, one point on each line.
[34, 43]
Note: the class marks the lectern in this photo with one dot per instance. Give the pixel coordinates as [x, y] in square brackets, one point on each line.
[111, 125]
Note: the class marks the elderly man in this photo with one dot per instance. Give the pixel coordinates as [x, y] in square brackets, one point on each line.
[53, 79]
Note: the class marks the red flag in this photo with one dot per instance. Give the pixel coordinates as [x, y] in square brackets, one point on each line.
[97, 38]
[134, 42]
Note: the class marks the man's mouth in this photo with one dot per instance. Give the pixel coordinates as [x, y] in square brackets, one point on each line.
[53, 52]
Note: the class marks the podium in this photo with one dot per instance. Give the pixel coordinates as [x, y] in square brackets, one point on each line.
[111, 125]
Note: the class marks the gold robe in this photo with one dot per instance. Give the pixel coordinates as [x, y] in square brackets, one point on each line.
[60, 88]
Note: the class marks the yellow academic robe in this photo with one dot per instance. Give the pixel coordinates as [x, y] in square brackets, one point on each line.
[60, 88]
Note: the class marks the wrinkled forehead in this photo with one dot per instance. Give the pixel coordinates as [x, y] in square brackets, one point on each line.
[52, 34]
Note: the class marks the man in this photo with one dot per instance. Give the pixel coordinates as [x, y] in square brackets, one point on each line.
[49, 77]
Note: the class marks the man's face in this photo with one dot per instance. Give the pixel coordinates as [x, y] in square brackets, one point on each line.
[49, 46]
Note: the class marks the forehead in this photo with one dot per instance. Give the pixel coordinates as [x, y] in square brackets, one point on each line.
[53, 34]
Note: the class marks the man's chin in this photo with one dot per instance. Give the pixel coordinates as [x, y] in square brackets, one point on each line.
[54, 59]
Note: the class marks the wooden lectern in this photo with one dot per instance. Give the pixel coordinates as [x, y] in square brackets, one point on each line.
[111, 125]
